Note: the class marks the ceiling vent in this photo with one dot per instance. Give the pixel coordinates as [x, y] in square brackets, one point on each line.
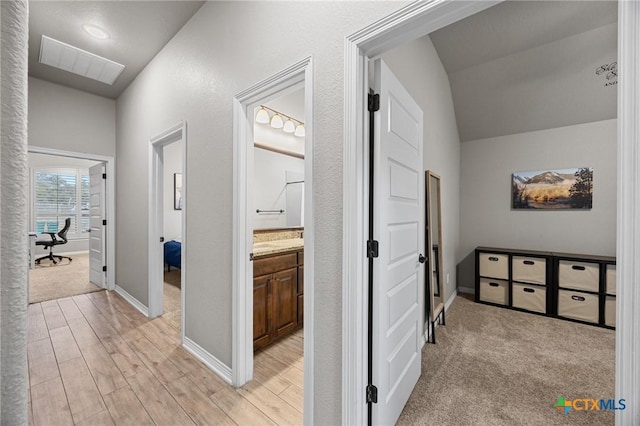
[69, 58]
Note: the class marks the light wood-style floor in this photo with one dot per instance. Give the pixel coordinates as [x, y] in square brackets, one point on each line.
[95, 360]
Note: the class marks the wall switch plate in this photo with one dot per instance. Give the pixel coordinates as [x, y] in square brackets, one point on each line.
[447, 278]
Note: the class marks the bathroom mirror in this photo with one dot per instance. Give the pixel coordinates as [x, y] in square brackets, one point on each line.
[435, 284]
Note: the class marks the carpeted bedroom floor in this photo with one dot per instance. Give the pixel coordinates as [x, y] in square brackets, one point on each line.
[49, 281]
[494, 366]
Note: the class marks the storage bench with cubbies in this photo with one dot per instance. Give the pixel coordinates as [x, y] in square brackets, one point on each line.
[569, 286]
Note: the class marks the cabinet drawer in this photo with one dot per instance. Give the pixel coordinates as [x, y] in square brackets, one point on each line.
[494, 291]
[529, 269]
[576, 305]
[610, 279]
[494, 265]
[269, 265]
[579, 275]
[529, 297]
[610, 311]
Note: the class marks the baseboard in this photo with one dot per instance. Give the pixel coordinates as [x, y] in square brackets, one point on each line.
[69, 253]
[466, 290]
[132, 301]
[209, 360]
[449, 301]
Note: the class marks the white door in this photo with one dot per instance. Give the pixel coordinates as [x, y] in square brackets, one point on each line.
[97, 252]
[399, 228]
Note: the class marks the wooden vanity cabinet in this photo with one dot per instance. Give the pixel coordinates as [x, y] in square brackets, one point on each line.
[276, 298]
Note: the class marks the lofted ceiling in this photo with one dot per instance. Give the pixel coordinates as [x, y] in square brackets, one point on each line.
[138, 30]
[522, 66]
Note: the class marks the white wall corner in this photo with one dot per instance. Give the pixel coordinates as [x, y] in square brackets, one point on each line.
[217, 366]
[132, 301]
[466, 290]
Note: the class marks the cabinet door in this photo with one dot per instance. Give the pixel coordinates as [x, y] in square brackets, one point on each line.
[285, 301]
[261, 311]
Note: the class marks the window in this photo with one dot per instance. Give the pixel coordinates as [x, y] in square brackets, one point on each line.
[61, 194]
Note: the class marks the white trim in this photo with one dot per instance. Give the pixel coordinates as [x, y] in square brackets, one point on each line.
[449, 301]
[242, 279]
[111, 202]
[156, 213]
[218, 367]
[132, 300]
[628, 218]
[466, 290]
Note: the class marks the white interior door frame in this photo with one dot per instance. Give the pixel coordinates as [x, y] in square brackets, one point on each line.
[156, 217]
[411, 22]
[242, 282]
[110, 201]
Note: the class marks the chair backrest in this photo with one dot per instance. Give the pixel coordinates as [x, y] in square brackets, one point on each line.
[63, 232]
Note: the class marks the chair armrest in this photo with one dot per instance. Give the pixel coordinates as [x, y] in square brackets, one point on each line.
[52, 235]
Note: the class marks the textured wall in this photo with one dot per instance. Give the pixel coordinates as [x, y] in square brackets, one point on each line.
[418, 67]
[224, 49]
[486, 215]
[172, 162]
[13, 204]
[71, 120]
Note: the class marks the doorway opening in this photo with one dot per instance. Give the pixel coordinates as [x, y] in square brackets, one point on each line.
[273, 231]
[167, 228]
[409, 23]
[70, 216]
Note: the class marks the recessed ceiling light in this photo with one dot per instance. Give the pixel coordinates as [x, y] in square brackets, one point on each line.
[96, 32]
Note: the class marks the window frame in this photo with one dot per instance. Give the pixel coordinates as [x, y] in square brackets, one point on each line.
[73, 234]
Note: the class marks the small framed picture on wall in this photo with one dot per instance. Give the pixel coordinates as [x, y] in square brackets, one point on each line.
[177, 191]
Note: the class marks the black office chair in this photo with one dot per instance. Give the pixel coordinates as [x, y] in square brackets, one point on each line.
[49, 244]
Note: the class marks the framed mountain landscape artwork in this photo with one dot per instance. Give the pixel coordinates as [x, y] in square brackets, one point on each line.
[553, 189]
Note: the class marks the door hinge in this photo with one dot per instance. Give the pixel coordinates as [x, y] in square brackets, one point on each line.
[372, 394]
[104, 176]
[374, 102]
[104, 222]
[372, 249]
[104, 269]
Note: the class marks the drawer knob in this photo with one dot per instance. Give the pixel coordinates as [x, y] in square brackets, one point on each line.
[529, 262]
[578, 298]
[578, 268]
[493, 259]
[494, 284]
[529, 290]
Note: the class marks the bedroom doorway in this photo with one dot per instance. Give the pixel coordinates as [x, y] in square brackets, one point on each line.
[70, 187]
[273, 236]
[167, 243]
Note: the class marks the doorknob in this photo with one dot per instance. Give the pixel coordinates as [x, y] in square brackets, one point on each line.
[421, 258]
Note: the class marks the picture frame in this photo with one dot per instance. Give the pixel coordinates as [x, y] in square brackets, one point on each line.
[559, 189]
[177, 191]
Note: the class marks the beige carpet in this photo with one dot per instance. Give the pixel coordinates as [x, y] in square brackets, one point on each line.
[48, 281]
[494, 366]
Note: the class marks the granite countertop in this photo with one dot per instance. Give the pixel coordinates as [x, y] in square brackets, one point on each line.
[267, 248]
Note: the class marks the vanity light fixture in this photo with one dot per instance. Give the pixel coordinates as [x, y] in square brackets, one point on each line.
[280, 121]
[289, 127]
[276, 122]
[262, 116]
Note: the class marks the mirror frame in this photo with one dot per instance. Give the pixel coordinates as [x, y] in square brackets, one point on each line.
[434, 311]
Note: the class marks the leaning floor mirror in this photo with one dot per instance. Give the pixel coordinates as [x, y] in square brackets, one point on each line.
[435, 286]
